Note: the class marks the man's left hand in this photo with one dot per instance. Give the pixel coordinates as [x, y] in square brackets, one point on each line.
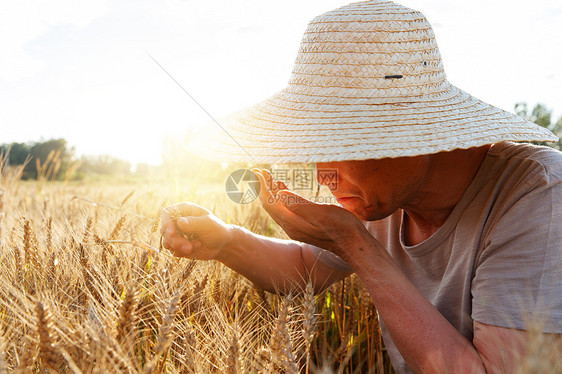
[323, 225]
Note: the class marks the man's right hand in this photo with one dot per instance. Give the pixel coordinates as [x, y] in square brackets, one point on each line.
[191, 231]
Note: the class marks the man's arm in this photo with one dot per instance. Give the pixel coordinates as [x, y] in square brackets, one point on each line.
[277, 265]
[272, 264]
[500, 348]
[424, 337]
[426, 340]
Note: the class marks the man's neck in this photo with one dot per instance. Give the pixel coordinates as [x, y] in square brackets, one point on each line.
[450, 175]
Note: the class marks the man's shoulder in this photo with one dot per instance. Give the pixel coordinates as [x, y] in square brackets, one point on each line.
[525, 178]
[533, 158]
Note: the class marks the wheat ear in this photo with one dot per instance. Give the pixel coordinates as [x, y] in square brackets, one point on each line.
[309, 322]
[117, 228]
[49, 232]
[165, 338]
[88, 229]
[233, 354]
[282, 346]
[188, 338]
[27, 241]
[27, 359]
[47, 351]
[263, 363]
[3, 364]
[127, 317]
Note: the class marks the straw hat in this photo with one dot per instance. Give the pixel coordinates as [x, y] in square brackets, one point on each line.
[368, 83]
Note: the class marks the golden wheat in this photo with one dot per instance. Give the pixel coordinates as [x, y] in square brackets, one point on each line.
[82, 291]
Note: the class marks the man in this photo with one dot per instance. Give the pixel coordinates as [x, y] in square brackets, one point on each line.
[453, 230]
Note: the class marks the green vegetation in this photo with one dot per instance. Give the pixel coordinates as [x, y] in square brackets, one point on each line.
[541, 115]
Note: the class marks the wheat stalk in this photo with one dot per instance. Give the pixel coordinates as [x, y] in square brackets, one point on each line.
[88, 274]
[124, 201]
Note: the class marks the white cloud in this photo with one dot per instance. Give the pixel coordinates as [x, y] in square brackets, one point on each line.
[22, 22]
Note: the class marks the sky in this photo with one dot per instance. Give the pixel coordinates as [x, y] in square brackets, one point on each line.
[86, 71]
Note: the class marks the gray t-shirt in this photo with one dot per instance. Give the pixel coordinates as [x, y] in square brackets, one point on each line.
[498, 257]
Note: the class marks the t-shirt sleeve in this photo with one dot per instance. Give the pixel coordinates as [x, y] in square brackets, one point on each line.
[518, 277]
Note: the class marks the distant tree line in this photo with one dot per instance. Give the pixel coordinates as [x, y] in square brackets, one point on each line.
[542, 116]
[54, 160]
[53, 154]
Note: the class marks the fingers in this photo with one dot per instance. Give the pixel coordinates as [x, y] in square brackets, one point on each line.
[295, 214]
[177, 244]
[270, 183]
[265, 194]
[167, 226]
[183, 209]
[174, 241]
[269, 200]
[171, 213]
[185, 249]
[173, 226]
[195, 225]
[273, 185]
[281, 185]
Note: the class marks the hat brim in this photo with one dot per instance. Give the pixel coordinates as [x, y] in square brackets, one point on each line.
[294, 127]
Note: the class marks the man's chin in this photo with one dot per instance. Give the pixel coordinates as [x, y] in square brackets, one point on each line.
[359, 212]
[366, 214]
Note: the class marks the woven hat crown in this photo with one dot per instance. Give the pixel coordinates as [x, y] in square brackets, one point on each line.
[378, 46]
[368, 83]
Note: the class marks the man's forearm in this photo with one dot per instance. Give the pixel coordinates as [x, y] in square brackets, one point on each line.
[273, 264]
[426, 340]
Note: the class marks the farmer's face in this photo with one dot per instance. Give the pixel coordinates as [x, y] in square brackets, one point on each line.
[374, 189]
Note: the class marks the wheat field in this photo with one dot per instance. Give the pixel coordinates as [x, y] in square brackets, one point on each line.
[86, 288]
